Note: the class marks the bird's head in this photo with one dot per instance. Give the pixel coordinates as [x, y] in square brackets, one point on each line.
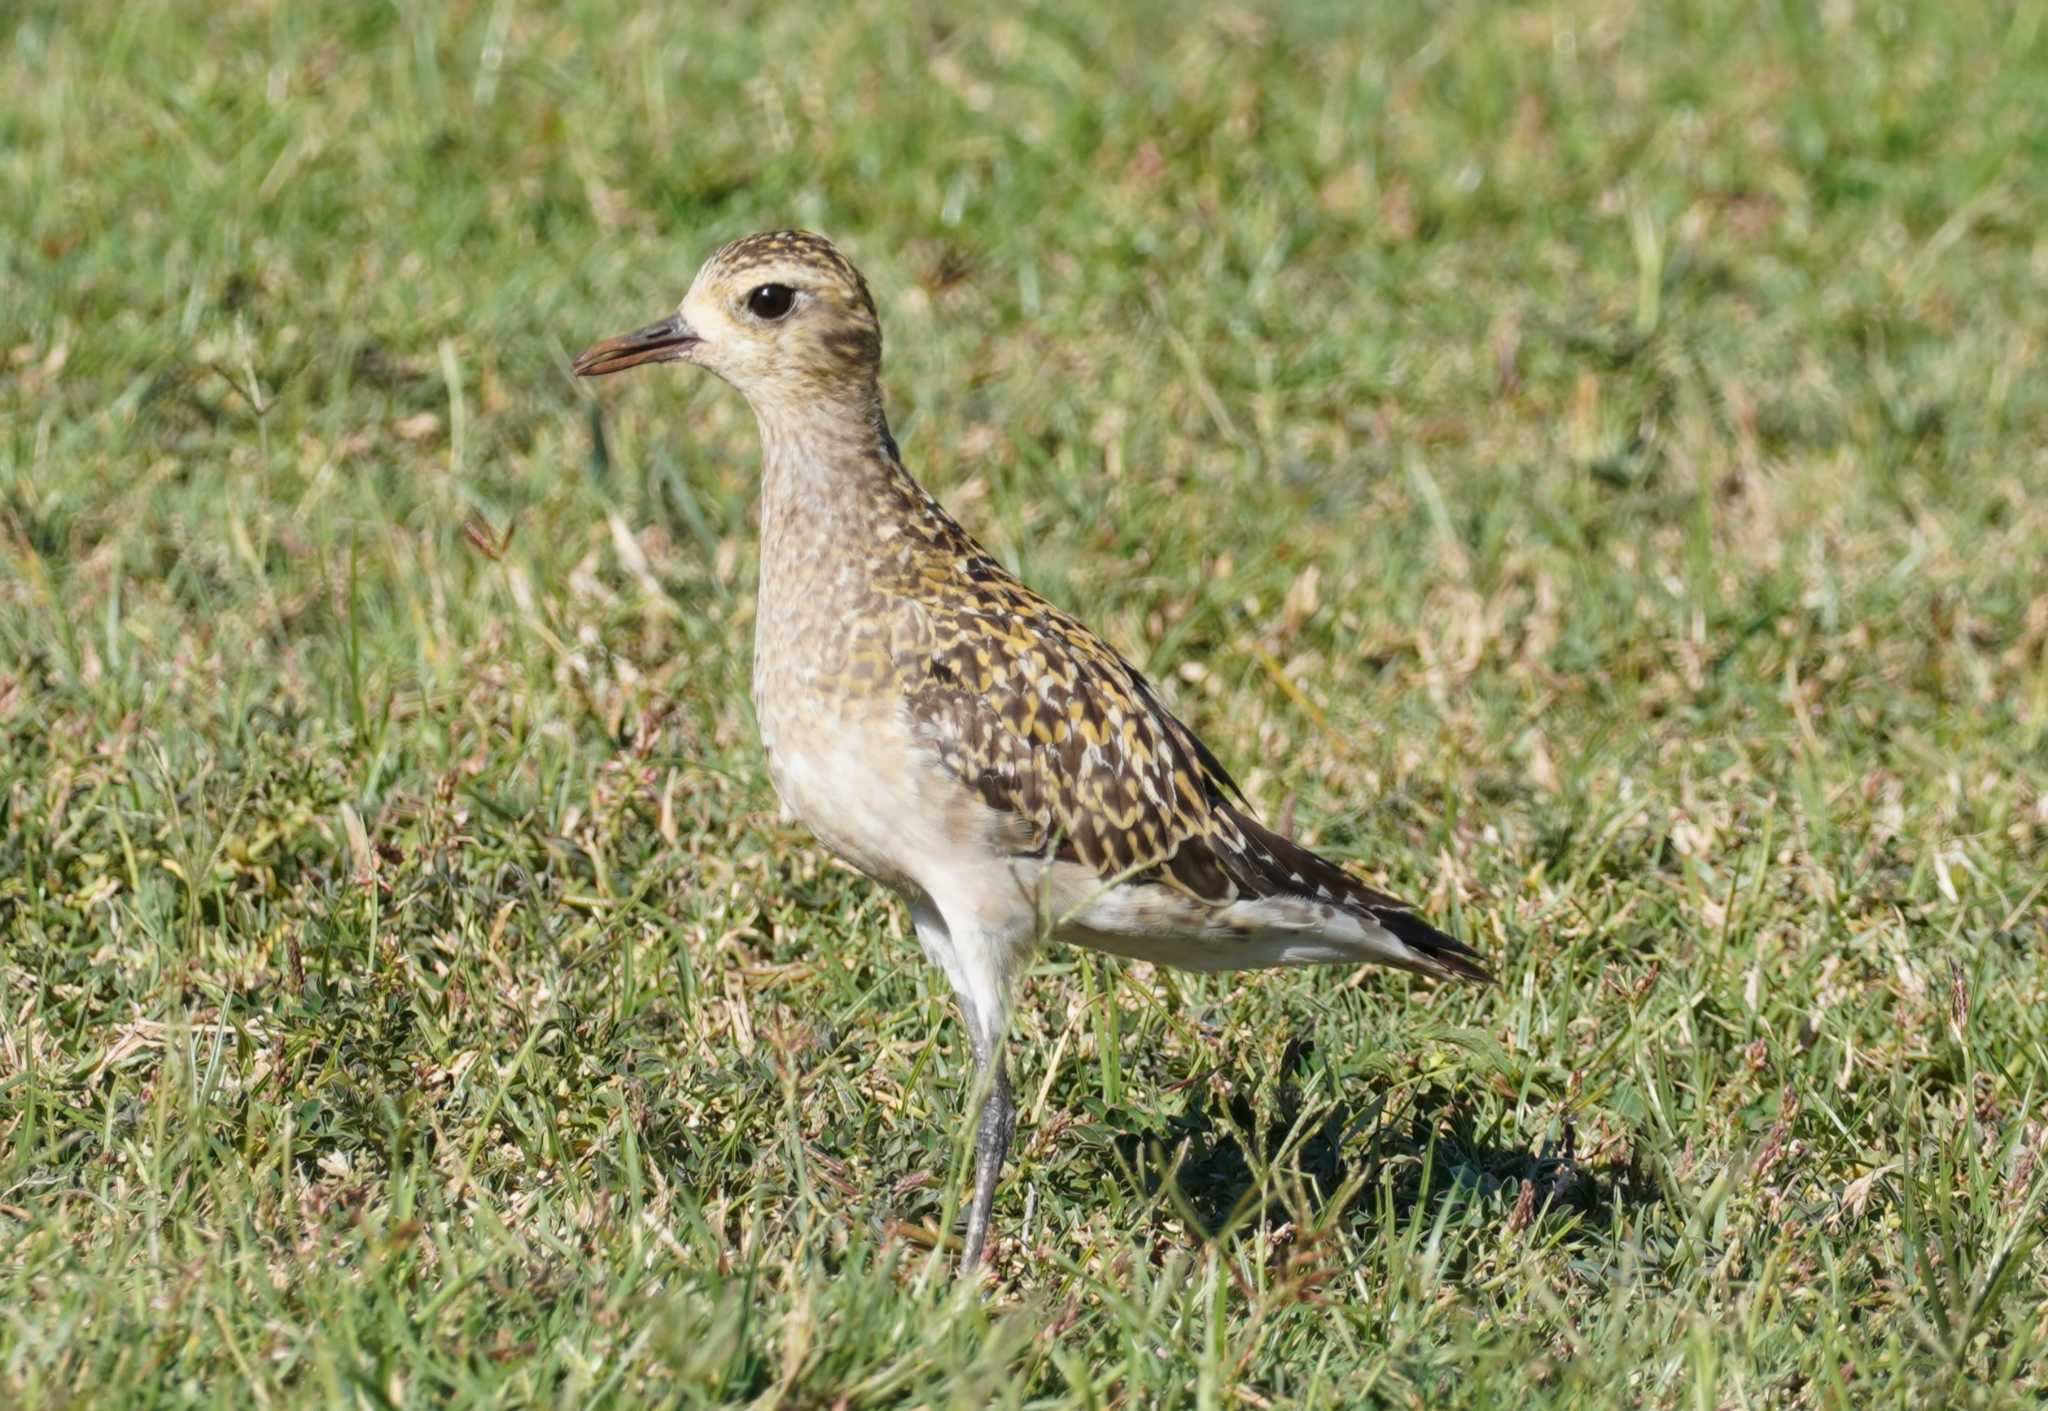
[782, 316]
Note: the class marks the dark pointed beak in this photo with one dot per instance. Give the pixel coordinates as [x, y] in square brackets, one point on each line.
[665, 342]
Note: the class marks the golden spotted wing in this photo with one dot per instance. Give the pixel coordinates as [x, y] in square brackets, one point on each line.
[1049, 724]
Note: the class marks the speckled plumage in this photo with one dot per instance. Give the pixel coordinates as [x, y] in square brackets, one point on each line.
[953, 734]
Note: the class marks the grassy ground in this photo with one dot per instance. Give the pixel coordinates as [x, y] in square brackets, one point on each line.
[1582, 461]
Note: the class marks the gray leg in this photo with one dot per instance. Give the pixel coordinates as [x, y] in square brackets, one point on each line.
[991, 1145]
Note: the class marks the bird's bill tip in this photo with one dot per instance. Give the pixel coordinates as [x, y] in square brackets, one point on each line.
[665, 342]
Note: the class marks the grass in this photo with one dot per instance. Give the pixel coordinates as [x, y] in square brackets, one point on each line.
[1581, 461]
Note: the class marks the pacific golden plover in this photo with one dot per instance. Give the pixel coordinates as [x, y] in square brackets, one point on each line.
[954, 735]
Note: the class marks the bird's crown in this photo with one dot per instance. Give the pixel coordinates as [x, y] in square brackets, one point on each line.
[792, 255]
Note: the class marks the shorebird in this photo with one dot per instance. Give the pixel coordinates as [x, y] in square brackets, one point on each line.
[951, 733]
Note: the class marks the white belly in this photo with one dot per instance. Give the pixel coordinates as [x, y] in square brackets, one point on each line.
[862, 788]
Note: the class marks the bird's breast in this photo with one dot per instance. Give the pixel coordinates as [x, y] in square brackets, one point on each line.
[859, 780]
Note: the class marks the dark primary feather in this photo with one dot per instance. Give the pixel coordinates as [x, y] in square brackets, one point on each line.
[1281, 866]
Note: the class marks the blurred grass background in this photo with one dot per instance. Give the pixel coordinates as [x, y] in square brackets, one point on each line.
[1581, 460]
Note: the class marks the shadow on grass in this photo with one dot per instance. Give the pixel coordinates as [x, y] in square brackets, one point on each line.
[1423, 1148]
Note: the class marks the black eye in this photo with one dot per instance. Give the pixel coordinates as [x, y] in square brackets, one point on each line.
[771, 301]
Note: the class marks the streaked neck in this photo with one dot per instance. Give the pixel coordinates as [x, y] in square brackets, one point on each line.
[832, 464]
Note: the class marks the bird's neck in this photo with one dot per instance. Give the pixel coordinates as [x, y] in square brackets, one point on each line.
[835, 468]
[834, 498]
